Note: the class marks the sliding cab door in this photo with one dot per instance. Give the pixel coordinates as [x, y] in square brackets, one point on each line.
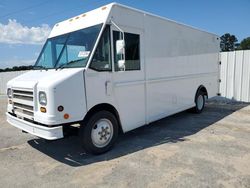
[98, 77]
[128, 83]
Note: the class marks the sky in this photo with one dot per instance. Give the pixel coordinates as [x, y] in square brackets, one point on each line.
[25, 24]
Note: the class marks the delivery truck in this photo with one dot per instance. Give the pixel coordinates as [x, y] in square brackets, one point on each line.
[112, 70]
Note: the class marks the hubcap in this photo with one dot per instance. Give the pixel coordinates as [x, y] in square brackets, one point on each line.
[102, 133]
[200, 102]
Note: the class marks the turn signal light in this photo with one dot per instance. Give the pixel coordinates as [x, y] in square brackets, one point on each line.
[43, 110]
[66, 116]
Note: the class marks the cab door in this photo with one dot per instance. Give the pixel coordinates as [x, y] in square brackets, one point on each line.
[129, 83]
[98, 76]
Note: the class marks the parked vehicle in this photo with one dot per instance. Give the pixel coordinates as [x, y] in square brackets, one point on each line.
[113, 69]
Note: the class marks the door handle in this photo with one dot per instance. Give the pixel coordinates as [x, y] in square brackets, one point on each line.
[108, 87]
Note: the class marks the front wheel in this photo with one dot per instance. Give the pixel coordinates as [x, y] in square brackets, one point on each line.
[99, 133]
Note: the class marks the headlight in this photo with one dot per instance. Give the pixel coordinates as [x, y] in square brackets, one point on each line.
[9, 93]
[42, 98]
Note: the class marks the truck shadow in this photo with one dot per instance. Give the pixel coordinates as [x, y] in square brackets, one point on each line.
[172, 129]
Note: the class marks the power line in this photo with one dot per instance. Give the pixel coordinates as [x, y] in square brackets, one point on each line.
[62, 12]
[24, 9]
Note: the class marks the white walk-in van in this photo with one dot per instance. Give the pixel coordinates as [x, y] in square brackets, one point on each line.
[112, 70]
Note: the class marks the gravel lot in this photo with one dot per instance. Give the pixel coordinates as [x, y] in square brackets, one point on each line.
[185, 150]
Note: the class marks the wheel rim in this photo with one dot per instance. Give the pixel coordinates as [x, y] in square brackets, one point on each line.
[200, 102]
[102, 133]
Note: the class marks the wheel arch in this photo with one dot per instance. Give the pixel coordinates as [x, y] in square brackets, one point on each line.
[201, 88]
[107, 107]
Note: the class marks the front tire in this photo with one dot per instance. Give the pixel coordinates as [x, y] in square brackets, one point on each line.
[99, 133]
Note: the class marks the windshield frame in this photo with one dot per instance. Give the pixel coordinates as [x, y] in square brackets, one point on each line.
[36, 66]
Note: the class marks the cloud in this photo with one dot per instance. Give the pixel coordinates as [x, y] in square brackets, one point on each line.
[16, 62]
[15, 33]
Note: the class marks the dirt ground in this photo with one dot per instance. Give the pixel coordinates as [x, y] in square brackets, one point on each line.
[211, 149]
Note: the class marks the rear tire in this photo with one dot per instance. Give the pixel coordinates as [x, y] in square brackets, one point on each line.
[200, 100]
[99, 133]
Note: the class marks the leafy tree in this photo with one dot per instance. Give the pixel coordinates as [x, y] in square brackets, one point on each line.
[228, 42]
[237, 46]
[245, 44]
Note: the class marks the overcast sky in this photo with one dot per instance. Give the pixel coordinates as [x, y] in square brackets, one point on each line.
[25, 24]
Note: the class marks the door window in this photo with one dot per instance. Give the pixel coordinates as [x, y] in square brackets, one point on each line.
[102, 57]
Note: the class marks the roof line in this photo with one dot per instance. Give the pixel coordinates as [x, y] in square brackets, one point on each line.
[161, 17]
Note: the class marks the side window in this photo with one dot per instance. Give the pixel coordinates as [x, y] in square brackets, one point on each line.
[102, 57]
[132, 51]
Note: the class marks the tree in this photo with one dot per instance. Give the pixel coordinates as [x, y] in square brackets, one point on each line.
[245, 44]
[17, 68]
[228, 42]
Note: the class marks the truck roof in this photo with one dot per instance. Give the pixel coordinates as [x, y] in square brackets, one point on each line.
[93, 17]
[100, 15]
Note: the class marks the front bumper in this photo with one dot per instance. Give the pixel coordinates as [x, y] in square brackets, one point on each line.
[49, 133]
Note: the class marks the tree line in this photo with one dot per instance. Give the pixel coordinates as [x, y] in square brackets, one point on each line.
[230, 43]
[17, 68]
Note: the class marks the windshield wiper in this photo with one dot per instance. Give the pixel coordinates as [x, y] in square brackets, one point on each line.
[71, 62]
[40, 67]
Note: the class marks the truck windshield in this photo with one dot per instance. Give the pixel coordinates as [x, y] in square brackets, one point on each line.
[68, 50]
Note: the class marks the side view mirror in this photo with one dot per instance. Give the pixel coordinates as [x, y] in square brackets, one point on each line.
[121, 64]
[120, 45]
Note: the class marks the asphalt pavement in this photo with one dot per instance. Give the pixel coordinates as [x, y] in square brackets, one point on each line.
[211, 149]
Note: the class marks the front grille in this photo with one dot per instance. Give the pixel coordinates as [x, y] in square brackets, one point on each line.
[23, 103]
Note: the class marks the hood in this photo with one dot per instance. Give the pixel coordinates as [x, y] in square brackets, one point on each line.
[31, 78]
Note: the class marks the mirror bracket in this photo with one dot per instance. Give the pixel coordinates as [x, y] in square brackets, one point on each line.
[120, 47]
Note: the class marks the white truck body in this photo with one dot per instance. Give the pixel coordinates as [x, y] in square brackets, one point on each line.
[174, 61]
